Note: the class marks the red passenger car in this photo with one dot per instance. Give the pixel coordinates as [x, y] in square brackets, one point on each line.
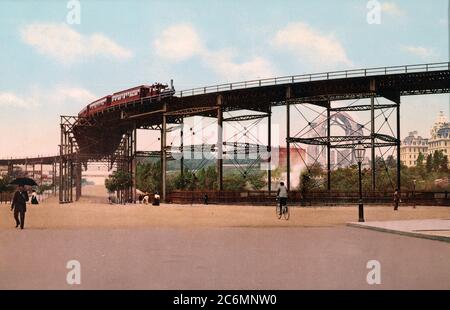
[95, 106]
[126, 96]
[129, 95]
[99, 105]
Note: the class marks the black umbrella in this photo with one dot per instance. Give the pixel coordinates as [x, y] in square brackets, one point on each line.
[24, 181]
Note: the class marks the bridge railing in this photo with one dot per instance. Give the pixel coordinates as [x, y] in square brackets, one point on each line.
[37, 157]
[315, 77]
[310, 198]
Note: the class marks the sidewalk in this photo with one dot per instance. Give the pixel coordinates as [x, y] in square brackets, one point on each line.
[429, 229]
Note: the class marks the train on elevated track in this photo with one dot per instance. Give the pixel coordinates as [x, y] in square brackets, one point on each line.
[124, 97]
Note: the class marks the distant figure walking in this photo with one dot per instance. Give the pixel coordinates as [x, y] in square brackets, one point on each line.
[34, 199]
[145, 199]
[156, 199]
[19, 205]
[396, 199]
[282, 195]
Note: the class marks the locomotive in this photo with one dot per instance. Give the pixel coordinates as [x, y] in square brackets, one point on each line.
[127, 96]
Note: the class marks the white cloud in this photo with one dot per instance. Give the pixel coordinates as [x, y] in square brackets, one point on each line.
[419, 51]
[311, 45]
[68, 46]
[64, 93]
[37, 97]
[391, 8]
[178, 43]
[9, 99]
[181, 42]
[222, 63]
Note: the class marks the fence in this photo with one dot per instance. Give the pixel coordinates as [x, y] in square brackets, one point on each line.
[307, 199]
[6, 198]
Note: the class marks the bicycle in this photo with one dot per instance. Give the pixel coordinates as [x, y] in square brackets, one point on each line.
[282, 211]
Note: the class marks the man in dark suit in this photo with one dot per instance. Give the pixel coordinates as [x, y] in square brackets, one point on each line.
[19, 205]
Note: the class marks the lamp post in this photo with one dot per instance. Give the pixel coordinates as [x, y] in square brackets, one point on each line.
[414, 193]
[360, 152]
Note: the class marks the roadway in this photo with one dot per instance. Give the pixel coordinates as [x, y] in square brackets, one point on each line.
[221, 258]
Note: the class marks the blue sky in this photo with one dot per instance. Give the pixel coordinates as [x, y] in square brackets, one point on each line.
[50, 67]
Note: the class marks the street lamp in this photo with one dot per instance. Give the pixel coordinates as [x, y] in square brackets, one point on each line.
[360, 152]
[414, 193]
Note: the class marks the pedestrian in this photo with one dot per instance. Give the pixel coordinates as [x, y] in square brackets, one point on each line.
[282, 195]
[145, 199]
[34, 199]
[396, 199]
[19, 205]
[156, 199]
[205, 199]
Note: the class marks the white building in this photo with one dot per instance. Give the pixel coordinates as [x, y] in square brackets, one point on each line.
[440, 136]
[411, 147]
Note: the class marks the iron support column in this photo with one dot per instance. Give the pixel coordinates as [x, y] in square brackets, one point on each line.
[41, 175]
[134, 164]
[181, 148]
[77, 180]
[372, 138]
[269, 148]
[220, 142]
[398, 148]
[61, 194]
[163, 155]
[288, 135]
[71, 170]
[54, 177]
[329, 147]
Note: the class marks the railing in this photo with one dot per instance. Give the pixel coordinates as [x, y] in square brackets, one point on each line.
[315, 77]
[311, 198]
[6, 197]
[5, 159]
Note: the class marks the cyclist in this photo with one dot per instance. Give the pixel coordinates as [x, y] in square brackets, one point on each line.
[282, 195]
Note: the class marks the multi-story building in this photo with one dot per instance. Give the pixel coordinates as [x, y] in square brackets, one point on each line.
[411, 147]
[440, 136]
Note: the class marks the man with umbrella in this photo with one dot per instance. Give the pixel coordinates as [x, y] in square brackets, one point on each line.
[19, 203]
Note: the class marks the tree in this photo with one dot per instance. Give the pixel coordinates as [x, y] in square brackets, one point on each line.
[257, 180]
[438, 158]
[207, 178]
[234, 182]
[118, 180]
[110, 185]
[310, 179]
[444, 164]
[4, 184]
[391, 162]
[420, 159]
[429, 163]
[148, 177]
